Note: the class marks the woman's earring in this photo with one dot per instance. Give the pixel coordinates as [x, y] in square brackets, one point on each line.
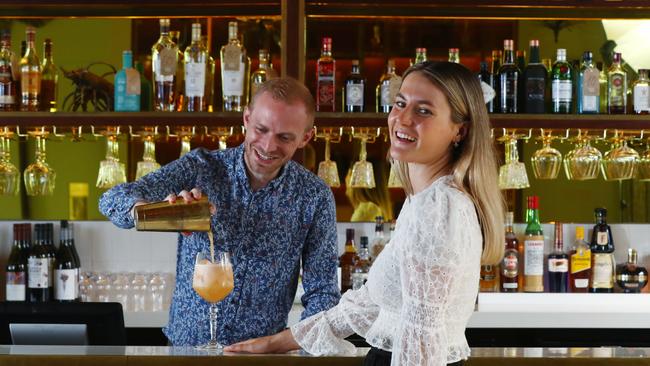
[455, 144]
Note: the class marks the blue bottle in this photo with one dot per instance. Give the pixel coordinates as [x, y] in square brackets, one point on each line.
[588, 86]
[127, 86]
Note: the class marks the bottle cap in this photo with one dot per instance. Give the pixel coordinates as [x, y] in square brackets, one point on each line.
[533, 202]
[454, 50]
[617, 57]
[364, 241]
[561, 54]
[327, 40]
[600, 211]
[587, 55]
[420, 50]
[510, 218]
[534, 43]
[349, 234]
[355, 62]
[508, 44]
[580, 233]
[632, 255]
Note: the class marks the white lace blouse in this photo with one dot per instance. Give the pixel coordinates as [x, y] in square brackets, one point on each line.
[420, 291]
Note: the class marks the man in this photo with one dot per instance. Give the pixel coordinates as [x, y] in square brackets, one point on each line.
[271, 214]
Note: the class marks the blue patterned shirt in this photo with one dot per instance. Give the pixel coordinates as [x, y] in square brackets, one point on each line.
[269, 233]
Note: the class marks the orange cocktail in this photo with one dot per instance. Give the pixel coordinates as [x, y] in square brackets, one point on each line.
[212, 281]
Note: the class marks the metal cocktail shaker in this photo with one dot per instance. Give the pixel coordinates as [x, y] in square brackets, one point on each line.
[178, 216]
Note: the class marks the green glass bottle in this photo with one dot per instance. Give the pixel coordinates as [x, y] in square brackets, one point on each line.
[561, 84]
[533, 249]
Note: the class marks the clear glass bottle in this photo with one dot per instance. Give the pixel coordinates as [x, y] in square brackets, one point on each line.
[179, 90]
[561, 84]
[580, 263]
[641, 93]
[326, 78]
[195, 63]
[164, 63]
[7, 82]
[508, 84]
[235, 70]
[263, 73]
[454, 55]
[49, 79]
[602, 82]
[387, 88]
[30, 75]
[361, 265]
[616, 87]
[354, 90]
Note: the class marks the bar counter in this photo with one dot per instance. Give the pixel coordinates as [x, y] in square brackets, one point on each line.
[159, 356]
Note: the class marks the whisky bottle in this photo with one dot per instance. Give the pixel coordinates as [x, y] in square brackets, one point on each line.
[235, 69]
[30, 75]
[49, 79]
[354, 89]
[164, 62]
[362, 265]
[387, 88]
[602, 255]
[489, 281]
[263, 73]
[533, 249]
[195, 63]
[641, 93]
[510, 262]
[535, 81]
[630, 277]
[616, 87]
[558, 264]
[508, 84]
[347, 260]
[561, 84]
[495, 64]
[454, 55]
[587, 86]
[7, 82]
[580, 263]
[127, 86]
[326, 78]
[420, 55]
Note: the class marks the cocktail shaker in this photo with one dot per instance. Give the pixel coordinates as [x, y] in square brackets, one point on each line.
[178, 216]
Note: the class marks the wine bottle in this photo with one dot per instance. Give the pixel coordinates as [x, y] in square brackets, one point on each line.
[39, 265]
[533, 249]
[30, 75]
[508, 85]
[16, 280]
[66, 267]
[49, 79]
[7, 81]
[535, 79]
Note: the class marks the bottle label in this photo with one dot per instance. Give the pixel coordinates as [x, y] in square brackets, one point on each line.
[385, 98]
[510, 264]
[233, 81]
[561, 90]
[558, 265]
[125, 102]
[7, 99]
[616, 90]
[30, 82]
[602, 271]
[354, 95]
[535, 88]
[581, 282]
[534, 256]
[602, 238]
[132, 82]
[15, 286]
[641, 98]
[165, 64]
[66, 285]
[510, 285]
[508, 95]
[232, 58]
[590, 90]
[325, 91]
[195, 79]
[39, 273]
[580, 261]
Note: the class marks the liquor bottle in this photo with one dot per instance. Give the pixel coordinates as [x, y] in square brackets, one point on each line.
[179, 90]
[561, 84]
[520, 56]
[361, 265]
[354, 90]
[209, 79]
[16, 279]
[587, 86]
[165, 60]
[66, 267]
[495, 64]
[640, 93]
[489, 281]
[454, 55]
[510, 262]
[535, 81]
[420, 55]
[7, 81]
[558, 264]
[387, 88]
[602, 82]
[235, 69]
[325, 78]
[195, 63]
[346, 261]
[602, 257]
[616, 87]
[127, 86]
[40, 264]
[630, 277]
[49, 79]
[580, 263]
[263, 73]
[508, 84]
[30, 75]
[533, 249]
[379, 241]
[146, 89]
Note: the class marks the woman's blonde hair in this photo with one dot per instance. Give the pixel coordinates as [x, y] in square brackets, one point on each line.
[474, 165]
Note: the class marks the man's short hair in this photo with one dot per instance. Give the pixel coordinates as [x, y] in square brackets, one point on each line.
[288, 90]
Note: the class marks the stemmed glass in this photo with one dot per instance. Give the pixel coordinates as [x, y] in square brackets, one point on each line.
[222, 134]
[327, 169]
[9, 174]
[111, 171]
[643, 167]
[148, 163]
[213, 281]
[363, 175]
[186, 134]
[39, 177]
[393, 178]
[582, 162]
[546, 161]
[619, 163]
[512, 175]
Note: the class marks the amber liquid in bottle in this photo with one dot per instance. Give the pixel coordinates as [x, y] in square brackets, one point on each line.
[347, 261]
[510, 263]
[325, 78]
[48, 80]
[580, 263]
[30, 71]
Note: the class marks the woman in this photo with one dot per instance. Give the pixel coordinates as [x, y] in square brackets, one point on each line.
[421, 289]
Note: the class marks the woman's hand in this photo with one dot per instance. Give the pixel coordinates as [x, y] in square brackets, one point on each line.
[282, 342]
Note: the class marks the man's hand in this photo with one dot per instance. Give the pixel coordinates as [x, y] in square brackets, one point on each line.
[282, 342]
[193, 195]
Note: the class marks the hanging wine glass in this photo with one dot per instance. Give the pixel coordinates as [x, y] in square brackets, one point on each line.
[619, 163]
[583, 161]
[327, 169]
[643, 167]
[512, 175]
[148, 163]
[111, 171]
[363, 175]
[222, 134]
[39, 177]
[393, 178]
[186, 134]
[546, 161]
[9, 174]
